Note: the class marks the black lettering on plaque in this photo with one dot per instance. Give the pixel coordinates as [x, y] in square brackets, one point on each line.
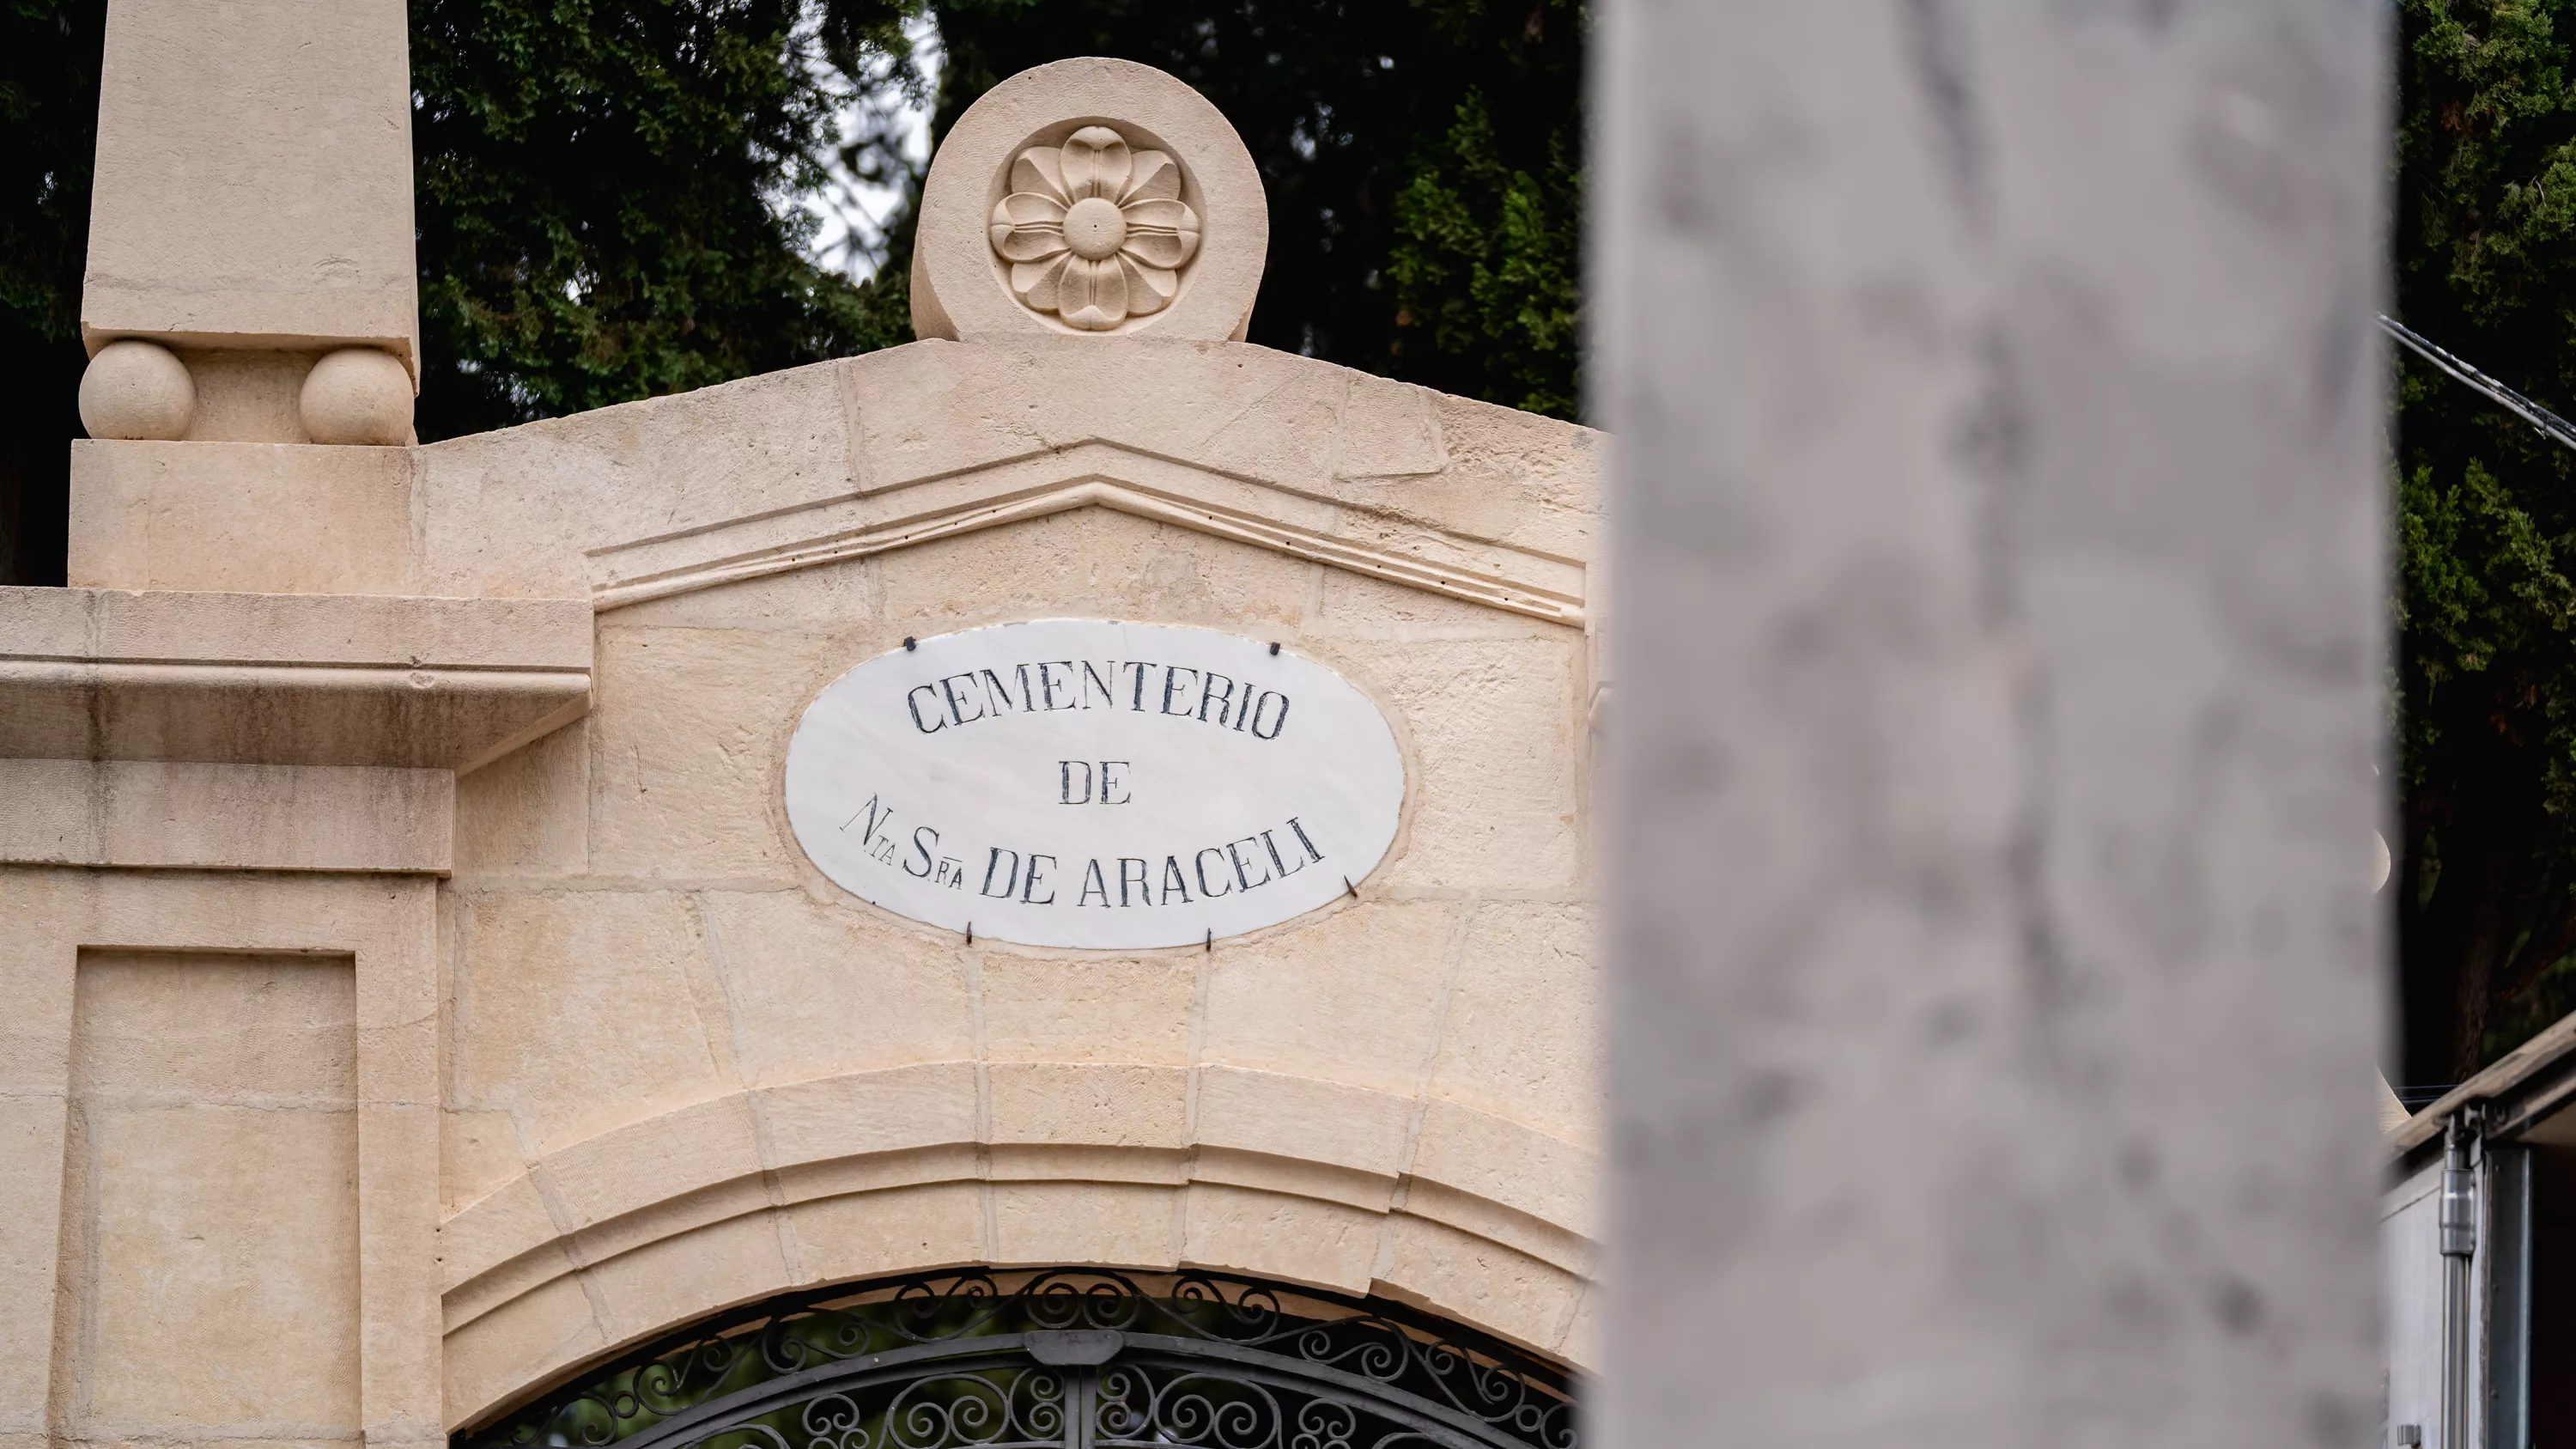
[1284, 868]
[874, 819]
[1064, 775]
[1173, 880]
[1091, 680]
[1140, 668]
[1276, 725]
[921, 850]
[1048, 684]
[1109, 781]
[1302, 840]
[993, 686]
[1234, 854]
[1199, 862]
[912, 702]
[957, 711]
[1010, 882]
[1093, 884]
[1030, 886]
[1144, 887]
[1171, 681]
[1210, 694]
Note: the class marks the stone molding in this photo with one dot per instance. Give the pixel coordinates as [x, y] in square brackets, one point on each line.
[1428, 1201]
[1458, 497]
[278, 679]
[1508, 579]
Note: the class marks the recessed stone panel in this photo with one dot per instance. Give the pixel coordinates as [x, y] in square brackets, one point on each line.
[209, 1264]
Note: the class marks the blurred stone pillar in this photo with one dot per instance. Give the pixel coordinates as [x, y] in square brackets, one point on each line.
[1999, 626]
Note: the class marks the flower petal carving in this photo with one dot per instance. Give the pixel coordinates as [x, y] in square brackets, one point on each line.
[1095, 295]
[1149, 289]
[1096, 163]
[1027, 227]
[1039, 169]
[1041, 284]
[1156, 178]
[1092, 292]
[1168, 216]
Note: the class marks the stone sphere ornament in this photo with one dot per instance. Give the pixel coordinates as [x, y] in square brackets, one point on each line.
[135, 390]
[1095, 230]
[357, 395]
[1089, 197]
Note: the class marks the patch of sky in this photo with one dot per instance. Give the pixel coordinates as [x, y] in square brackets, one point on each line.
[880, 151]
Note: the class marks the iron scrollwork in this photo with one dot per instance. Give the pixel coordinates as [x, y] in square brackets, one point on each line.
[1078, 1358]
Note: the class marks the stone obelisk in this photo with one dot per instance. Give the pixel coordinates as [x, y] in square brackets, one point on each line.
[250, 271]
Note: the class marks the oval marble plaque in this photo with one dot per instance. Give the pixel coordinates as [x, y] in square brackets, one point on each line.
[1081, 783]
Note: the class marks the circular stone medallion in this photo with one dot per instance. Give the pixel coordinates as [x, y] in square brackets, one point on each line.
[1097, 785]
[1089, 197]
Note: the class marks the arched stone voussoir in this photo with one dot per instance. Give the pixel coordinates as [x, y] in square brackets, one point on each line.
[619, 1238]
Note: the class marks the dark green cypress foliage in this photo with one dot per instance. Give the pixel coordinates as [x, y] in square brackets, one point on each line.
[594, 189]
[49, 51]
[2486, 532]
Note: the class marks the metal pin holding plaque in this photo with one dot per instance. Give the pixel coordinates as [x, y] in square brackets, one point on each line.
[1211, 938]
[970, 933]
[1354, 890]
[1274, 648]
[910, 644]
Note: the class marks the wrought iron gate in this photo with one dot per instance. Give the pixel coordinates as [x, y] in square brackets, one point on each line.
[1070, 1357]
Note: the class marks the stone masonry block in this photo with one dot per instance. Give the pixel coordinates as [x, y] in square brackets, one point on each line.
[1301, 1119]
[1271, 1235]
[576, 1010]
[1352, 995]
[1051, 1008]
[1523, 1034]
[899, 1230]
[1089, 1104]
[821, 989]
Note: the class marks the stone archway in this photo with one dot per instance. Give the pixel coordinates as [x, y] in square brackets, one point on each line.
[1084, 1358]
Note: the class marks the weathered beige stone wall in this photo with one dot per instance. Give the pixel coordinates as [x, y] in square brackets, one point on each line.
[415, 989]
[676, 1068]
[687, 1070]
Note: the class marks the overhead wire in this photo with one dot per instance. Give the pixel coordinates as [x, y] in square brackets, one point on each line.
[2550, 425]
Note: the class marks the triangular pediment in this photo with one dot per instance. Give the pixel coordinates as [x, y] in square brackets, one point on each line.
[844, 460]
[1094, 475]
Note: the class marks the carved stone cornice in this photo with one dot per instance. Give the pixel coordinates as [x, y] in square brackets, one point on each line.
[1093, 475]
[286, 679]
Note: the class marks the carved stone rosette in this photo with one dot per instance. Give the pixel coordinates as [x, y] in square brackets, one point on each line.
[1094, 231]
[1095, 198]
